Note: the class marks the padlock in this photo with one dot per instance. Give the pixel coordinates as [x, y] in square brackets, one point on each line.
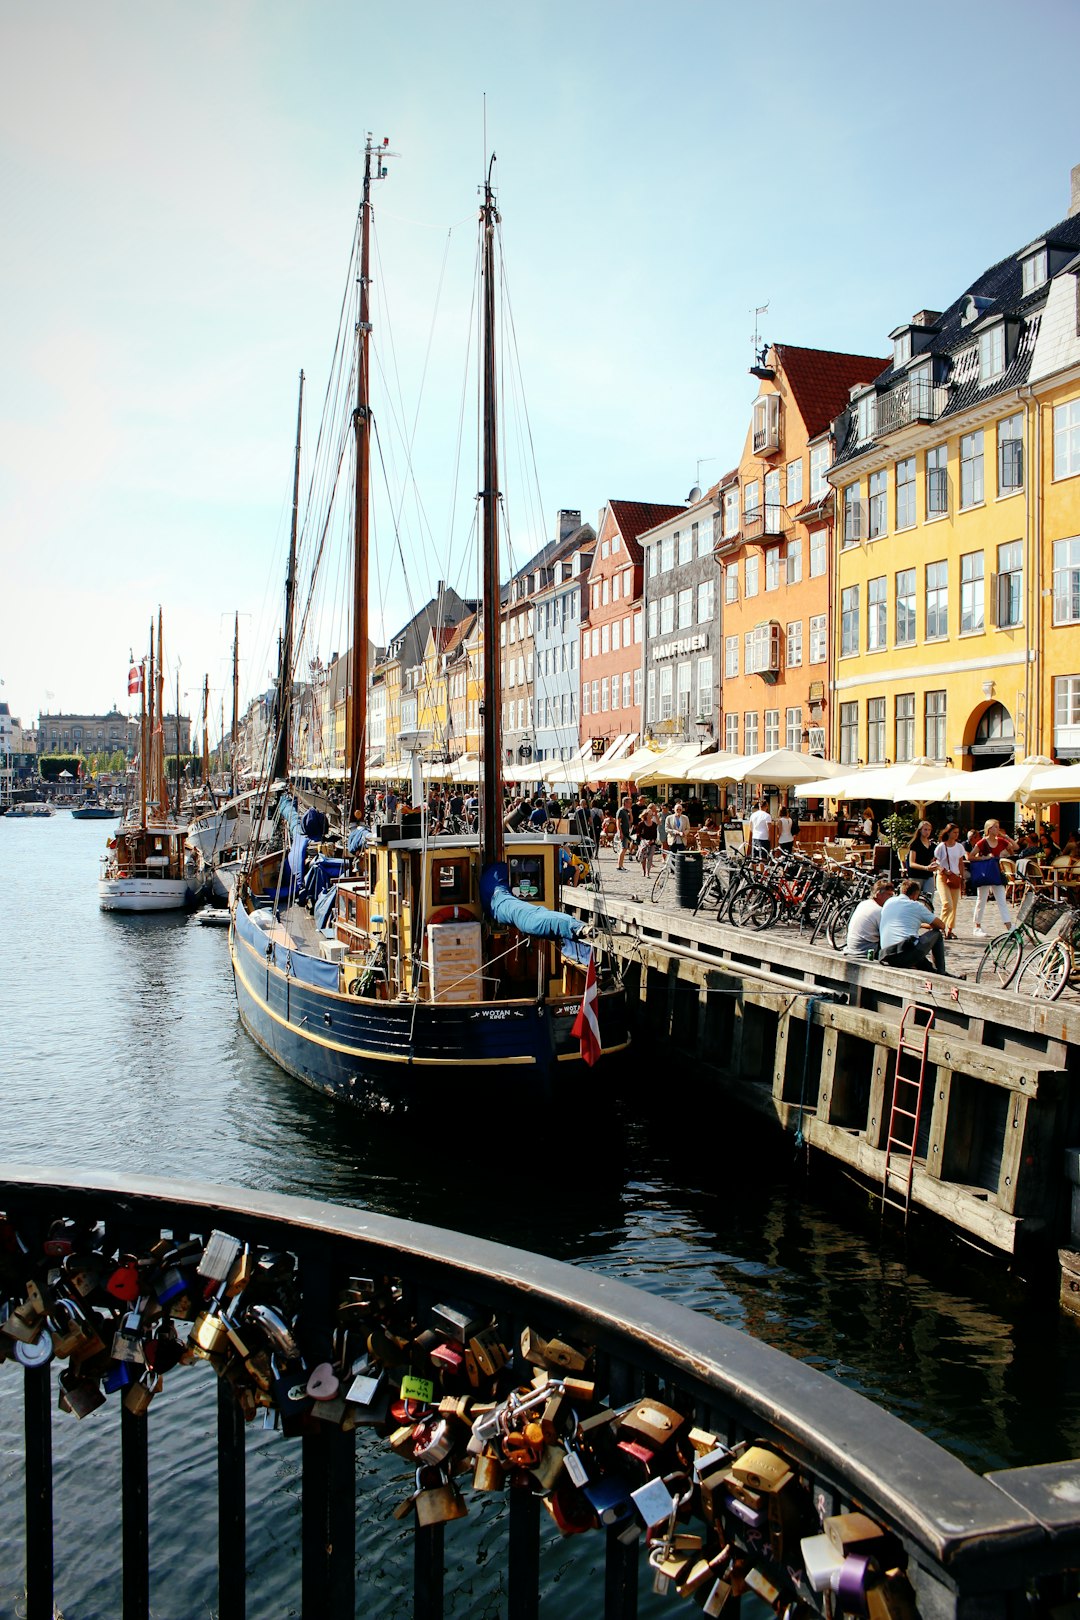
[548, 1469]
[323, 1384]
[489, 1473]
[433, 1442]
[118, 1377]
[489, 1351]
[127, 1342]
[568, 1506]
[761, 1584]
[638, 1459]
[457, 1321]
[240, 1274]
[137, 1396]
[66, 1326]
[291, 1397]
[652, 1422]
[855, 1533]
[79, 1395]
[219, 1257]
[891, 1598]
[26, 1322]
[82, 1272]
[36, 1352]
[390, 1350]
[438, 1504]
[448, 1357]
[653, 1502]
[162, 1350]
[275, 1329]
[124, 1283]
[851, 1580]
[762, 1469]
[609, 1498]
[64, 1237]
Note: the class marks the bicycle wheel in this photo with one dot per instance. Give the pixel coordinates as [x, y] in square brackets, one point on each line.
[1046, 972]
[753, 907]
[838, 925]
[1000, 960]
[660, 881]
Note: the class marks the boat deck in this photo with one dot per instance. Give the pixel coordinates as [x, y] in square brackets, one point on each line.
[296, 931]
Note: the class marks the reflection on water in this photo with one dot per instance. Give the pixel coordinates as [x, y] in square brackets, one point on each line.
[122, 1052]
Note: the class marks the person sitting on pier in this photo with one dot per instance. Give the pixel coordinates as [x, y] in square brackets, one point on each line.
[909, 932]
[864, 930]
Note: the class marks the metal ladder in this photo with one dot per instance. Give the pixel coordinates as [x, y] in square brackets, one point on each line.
[902, 1138]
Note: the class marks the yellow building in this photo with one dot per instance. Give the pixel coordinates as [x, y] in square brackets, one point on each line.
[944, 482]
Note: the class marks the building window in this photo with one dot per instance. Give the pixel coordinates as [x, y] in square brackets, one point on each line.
[1034, 271]
[615, 637]
[1010, 456]
[877, 614]
[650, 714]
[849, 733]
[793, 729]
[819, 647]
[684, 539]
[793, 562]
[665, 692]
[731, 511]
[704, 687]
[901, 349]
[936, 745]
[706, 601]
[937, 600]
[627, 683]
[1067, 713]
[818, 553]
[853, 527]
[794, 483]
[905, 726]
[751, 566]
[731, 582]
[992, 352]
[731, 657]
[683, 689]
[585, 708]
[772, 568]
[867, 415]
[615, 580]
[905, 607]
[1010, 585]
[731, 733]
[772, 730]
[637, 688]
[596, 697]
[654, 619]
[1067, 439]
[1067, 581]
[604, 549]
[637, 627]
[667, 553]
[972, 605]
[971, 469]
[606, 591]
[686, 608]
[750, 733]
[849, 621]
[905, 493]
[605, 639]
[751, 502]
[875, 731]
[878, 504]
[820, 460]
[702, 533]
[667, 615]
[626, 630]
[772, 502]
[937, 481]
[793, 647]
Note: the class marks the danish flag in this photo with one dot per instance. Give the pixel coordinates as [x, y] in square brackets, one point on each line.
[586, 1025]
[135, 679]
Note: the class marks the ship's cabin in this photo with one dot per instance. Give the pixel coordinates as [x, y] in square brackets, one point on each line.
[149, 852]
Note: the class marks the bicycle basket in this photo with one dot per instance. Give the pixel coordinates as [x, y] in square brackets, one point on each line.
[1041, 911]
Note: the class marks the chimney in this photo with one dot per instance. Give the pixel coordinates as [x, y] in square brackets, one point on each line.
[566, 523]
[1074, 204]
[926, 317]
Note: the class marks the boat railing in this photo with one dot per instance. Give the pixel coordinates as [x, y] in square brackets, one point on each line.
[971, 1544]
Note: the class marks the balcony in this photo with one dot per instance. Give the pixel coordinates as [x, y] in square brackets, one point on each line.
[767, 522]
[907, 403]
[305, 1282]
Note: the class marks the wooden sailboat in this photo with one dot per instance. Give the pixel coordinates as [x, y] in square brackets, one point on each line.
[147, 865]
[442, 961]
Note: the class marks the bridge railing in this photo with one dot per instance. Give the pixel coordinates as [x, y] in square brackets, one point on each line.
[969, 1543]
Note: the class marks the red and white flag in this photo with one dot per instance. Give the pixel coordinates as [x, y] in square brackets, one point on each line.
[135, 680]
[586, 1025]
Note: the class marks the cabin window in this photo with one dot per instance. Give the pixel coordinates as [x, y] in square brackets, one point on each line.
[527, 876]
[451, 881]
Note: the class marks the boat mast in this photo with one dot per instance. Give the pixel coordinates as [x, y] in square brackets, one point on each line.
[144, 729]
[205, 732]
[280, 765]
[161, 792]
[356, 748]
[234, 741]
[178, 742]
[492, 842]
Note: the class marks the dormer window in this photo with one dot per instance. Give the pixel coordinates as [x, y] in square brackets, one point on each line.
[867, 416]
[992, 352]
[1034, 270]
[901, 351]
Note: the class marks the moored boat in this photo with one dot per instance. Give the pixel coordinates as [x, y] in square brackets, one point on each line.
[29, 809]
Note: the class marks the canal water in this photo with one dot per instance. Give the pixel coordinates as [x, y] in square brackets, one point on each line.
[120, 1050]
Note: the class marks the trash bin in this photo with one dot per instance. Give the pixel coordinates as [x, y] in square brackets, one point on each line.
[688, 874]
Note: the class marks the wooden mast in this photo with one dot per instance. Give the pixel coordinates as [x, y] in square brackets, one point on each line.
[357, 710]
[492, 841]
[280, 765]
[205, 731]
[161, 793]
[178, 742]
[144, 730]
[234, 741]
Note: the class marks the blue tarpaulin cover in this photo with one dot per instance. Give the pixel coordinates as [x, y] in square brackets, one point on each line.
[297, 855]
[309, 969]
[536, 921]
[321, 873]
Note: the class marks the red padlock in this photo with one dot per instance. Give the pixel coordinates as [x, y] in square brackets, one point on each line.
[124, 1282]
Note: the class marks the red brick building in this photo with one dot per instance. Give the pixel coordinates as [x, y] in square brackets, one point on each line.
[611, 634]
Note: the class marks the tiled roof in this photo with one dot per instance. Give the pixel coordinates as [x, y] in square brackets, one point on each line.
[821, 380]
[634, 517]
[954, 344]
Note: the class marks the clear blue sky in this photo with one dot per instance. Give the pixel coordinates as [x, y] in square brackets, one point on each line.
[179, 188]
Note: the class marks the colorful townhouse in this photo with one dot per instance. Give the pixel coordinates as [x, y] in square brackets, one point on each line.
[775, 548]
[953, 591]
[682, 624]
[612, 635]
[400, 668]
[522, 692]
[560, 607]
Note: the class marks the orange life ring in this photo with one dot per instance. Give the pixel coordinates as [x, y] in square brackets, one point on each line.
[446, 914]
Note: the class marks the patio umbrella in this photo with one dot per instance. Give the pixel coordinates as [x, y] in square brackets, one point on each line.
[649, 768]
[1007, 784]
[1061, 785]
[896, 782]
[778, 767]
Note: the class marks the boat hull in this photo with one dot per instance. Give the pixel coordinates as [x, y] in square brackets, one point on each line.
[94, 813]
[394, 1057]
[146, 894]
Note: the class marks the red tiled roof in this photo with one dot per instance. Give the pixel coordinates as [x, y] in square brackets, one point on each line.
[820, 380]
[634, 517]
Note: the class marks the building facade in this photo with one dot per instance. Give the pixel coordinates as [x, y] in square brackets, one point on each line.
[559, 605]
[682, 625]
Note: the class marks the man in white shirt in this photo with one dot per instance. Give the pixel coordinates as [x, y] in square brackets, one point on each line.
[761, 824]
[864, 929]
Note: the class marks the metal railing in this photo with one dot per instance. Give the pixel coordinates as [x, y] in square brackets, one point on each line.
[764, 520]
[907, 402]
[968, 1541]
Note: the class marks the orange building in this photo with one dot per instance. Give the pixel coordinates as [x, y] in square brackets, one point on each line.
[776, 553]
[612, 631]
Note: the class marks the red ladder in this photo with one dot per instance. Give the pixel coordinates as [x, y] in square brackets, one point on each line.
[902, 1138]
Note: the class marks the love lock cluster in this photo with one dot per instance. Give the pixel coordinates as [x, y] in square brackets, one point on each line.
[717, 1520]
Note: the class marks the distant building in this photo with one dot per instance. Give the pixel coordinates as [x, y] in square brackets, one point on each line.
[103, 734]
[682, 624]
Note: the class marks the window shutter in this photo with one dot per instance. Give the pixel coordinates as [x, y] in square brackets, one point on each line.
[999, 597]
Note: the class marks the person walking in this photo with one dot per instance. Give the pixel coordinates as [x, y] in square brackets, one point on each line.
[648, 833]
[986, 874]
[625, 823]
[677, 828]
[920, 861]
[951, 858]
[761, 826]
[785, 831]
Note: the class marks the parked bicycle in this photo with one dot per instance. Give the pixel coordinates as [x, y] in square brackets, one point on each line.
[1000, 961]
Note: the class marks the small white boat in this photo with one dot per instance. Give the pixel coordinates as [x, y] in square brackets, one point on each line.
[149, 869]
[32, 807]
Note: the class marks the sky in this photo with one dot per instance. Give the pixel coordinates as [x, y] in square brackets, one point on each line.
[179, 189]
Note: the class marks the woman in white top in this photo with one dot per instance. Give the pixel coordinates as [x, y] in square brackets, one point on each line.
[951, 858]
[785, 830]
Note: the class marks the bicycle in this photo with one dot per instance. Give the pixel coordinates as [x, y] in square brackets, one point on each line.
[1046, 971]
[1003, 956]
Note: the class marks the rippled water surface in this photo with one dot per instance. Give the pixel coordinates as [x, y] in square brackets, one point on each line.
[121, 1051]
